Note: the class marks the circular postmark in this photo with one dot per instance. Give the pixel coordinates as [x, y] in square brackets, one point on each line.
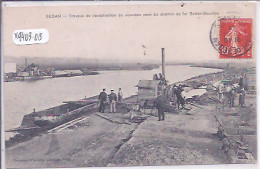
[232, 37]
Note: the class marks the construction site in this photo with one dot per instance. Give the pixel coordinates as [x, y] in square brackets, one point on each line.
[208, 130]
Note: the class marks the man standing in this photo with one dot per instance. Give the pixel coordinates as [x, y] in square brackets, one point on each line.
[220, 92]
[112, 99]
[161, 77]
[120, 95]
[241, 81]
[174, 88]
[102, 99]
[155, 77]
[242, 97]
[228, 94]
[178, 95]
[232, 97]
[161, 105]
[182, 99]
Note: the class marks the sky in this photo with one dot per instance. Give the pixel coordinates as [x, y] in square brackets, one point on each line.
[185, 38]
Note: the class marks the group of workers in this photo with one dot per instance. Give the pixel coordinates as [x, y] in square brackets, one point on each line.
[176, 96]
[160, 77]
[162, 101]
[230, 92]
[113, 99]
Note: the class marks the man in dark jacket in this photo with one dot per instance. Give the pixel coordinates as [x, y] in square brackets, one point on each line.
[102, 99]
[241, 80]
[112, 99]
[178, 96]
[161, 105]
[174, 88]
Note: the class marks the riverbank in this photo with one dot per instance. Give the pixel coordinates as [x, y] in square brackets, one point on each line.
[72, 71]
[188, 137]
[34, 78]
[225, 65]
[23, 97]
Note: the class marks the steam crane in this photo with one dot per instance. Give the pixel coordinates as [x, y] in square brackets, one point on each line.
[148, 89]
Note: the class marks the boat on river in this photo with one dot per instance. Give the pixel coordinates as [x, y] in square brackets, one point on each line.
[55, 116]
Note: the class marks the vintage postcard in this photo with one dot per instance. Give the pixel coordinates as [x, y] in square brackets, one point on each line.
[119, 84]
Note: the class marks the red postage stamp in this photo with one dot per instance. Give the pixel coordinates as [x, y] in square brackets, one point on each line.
[235, 38]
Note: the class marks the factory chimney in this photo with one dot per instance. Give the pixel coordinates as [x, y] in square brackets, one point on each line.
[163, 63]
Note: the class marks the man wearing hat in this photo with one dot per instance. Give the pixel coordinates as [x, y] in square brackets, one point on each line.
[112, 99]
[102, 99]
[161, 105]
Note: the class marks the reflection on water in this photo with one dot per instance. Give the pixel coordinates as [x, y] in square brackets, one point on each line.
[23, 96]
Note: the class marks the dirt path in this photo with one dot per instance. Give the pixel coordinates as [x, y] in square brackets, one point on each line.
[180, 139]
[89, 143]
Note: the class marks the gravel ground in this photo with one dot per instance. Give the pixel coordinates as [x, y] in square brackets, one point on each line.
[91, 143]
[180, 139]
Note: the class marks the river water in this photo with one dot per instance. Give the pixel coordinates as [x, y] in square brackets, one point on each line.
[22, 97]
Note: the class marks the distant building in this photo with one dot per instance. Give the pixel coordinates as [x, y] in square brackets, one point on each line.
[30, 70]
[66, 73]
[23, 74]
[58, 73]
[10, 71]
[74, 72]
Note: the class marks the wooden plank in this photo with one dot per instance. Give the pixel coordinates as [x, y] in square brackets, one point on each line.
[192, 111]
[111, 120]
[81, 102]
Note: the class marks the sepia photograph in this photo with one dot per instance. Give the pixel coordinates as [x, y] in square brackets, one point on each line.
[126, 84]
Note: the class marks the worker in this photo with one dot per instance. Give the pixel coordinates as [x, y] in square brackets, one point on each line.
[168, 90]
[232, 97]
[220, 92]
[242, 96]
[161, 77]
[102, 100]
[228, 92]
[120, 95]
[155, 77]
[241, 81]
[161, 105]
[182, 99]
[112, 99]
[178, 95]
[174, 88]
